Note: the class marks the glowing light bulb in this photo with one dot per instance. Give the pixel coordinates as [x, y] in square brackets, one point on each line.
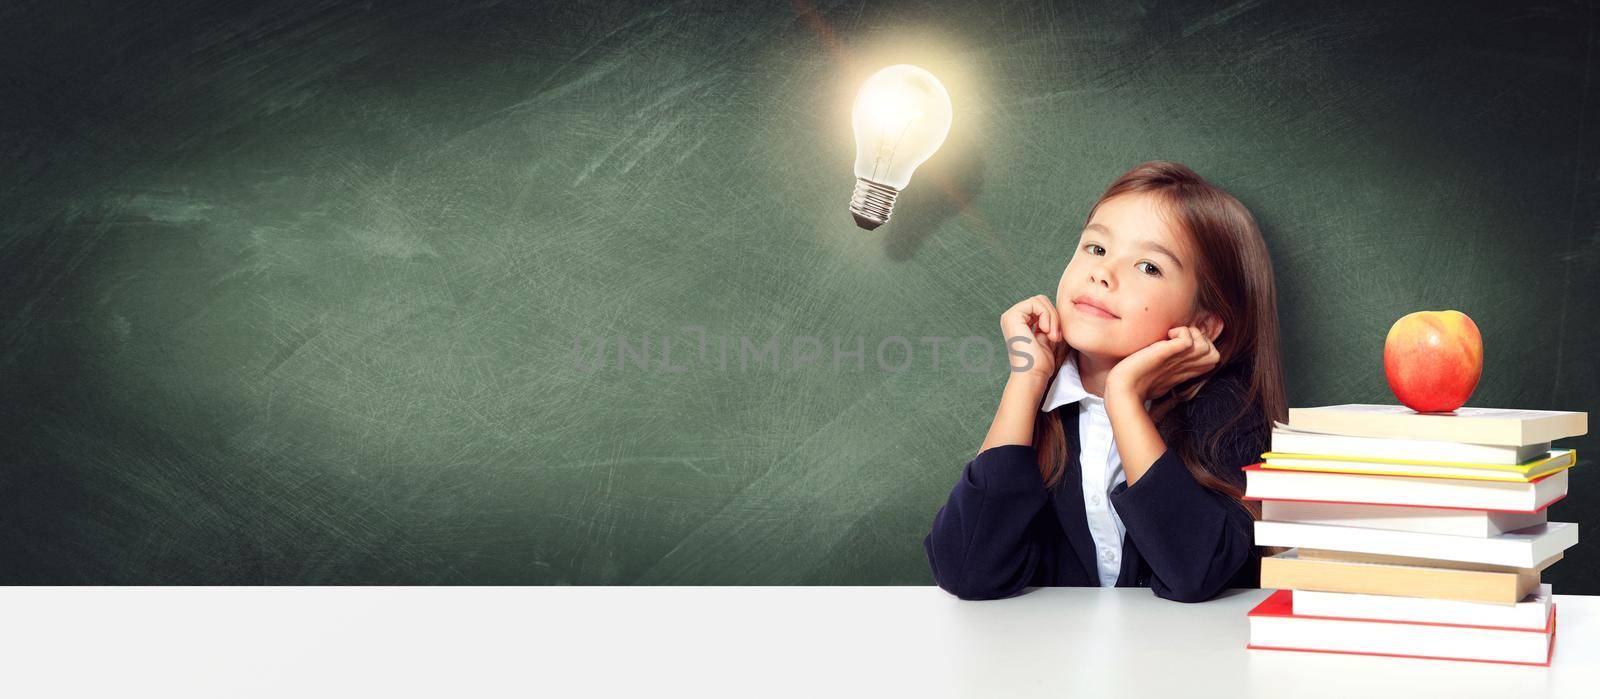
[901, 116]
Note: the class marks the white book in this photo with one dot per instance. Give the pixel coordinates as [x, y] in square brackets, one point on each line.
[1294, 440]
[1523, 548]
[1268, 484]
[1428, 520]
[1530, 613]
[1465, 424]
[1274, 627]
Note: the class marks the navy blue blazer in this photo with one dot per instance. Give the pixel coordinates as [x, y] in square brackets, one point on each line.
[1002, 531]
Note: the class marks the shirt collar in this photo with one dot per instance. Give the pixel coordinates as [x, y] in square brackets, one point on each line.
[1067, 387]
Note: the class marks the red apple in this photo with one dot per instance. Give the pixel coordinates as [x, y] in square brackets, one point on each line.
[1433, 360]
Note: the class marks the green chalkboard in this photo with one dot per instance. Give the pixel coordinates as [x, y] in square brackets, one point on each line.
[312, 294]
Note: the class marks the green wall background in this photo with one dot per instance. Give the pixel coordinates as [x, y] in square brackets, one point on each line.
[299, 294]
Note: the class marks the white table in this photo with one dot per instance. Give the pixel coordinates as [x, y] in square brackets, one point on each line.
[721, 641]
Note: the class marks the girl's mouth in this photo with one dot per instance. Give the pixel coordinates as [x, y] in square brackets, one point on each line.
[1092, 312]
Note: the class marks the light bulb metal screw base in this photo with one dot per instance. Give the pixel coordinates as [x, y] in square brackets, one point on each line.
[872, 203]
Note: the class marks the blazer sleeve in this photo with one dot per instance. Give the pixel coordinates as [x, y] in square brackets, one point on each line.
[981, 545]
[1194, 538]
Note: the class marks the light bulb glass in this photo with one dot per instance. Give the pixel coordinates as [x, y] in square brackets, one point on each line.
[901, 116]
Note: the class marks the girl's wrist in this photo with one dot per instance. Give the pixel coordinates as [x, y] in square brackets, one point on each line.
[1027, 383]
[1119, 391]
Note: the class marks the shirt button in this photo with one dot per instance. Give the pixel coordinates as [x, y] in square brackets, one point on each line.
[1095, 499]
[1106, 554]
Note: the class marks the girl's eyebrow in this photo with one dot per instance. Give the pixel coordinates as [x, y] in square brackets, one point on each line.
[1147, 244]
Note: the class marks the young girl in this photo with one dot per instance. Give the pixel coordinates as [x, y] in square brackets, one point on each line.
[1132, 404]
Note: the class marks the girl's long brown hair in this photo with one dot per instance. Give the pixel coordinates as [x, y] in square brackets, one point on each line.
[1236, 283]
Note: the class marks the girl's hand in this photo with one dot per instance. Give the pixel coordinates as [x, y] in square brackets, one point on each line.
[1154, 370]
[1036, 321]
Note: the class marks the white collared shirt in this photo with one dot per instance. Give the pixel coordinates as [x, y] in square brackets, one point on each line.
[1101, 465]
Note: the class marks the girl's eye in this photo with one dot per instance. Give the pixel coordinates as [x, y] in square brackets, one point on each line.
[1157, 271]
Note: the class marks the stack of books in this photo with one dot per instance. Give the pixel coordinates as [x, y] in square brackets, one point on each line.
[1420, 535]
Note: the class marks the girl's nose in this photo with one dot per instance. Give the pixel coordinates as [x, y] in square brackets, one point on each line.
[1099, 276]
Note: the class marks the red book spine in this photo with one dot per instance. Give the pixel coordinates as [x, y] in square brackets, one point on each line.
[1281, 603]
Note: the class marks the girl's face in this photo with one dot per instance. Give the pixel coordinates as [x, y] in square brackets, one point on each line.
[1134, 264]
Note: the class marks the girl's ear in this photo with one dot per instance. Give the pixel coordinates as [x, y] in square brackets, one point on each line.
[1212, 327]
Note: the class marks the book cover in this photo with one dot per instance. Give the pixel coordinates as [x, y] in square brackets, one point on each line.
[1327, 554]
[1530, 613]
[1275, 626]
[1414, 491]
[1557, 460]
[1523, 548]
[1428, 520]
[1299, 441]
[1290, 570]
[1499, 426]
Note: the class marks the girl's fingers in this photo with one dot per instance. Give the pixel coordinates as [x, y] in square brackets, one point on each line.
[1038, 316]
[1177, 347]
[1186, 353]
[1203, 349]
[1042, 316]
[1185, 340]
[1195, 351]
[1027, 313]
[1212, 355]
[1206, 359]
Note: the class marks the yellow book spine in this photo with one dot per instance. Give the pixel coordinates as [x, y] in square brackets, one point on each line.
[1566, 455]
[1386, 472]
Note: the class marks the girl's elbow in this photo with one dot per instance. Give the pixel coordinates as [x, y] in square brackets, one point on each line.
[947, 577]
[1188, 594]
[978, 593]
[1203, 585]
[964, 592]
[963, 587]
[961, 583]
